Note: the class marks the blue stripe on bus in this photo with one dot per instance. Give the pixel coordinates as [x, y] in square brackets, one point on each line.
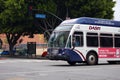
[92, 21]
[73, 55]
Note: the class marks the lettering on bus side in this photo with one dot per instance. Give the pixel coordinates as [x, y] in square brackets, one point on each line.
[94, 28]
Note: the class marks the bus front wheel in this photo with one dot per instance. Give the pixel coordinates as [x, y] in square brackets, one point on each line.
[92, 58]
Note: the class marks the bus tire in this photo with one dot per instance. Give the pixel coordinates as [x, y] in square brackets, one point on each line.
[71, 63]
[92, 58]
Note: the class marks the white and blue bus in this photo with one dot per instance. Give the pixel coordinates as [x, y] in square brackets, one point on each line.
[85, 40]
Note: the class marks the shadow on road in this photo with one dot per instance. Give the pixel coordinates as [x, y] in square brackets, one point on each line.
[83, 64]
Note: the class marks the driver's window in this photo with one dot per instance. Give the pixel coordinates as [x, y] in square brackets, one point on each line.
[78, 39]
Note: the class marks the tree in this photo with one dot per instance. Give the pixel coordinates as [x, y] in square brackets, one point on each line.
[15, 20]
[61, 8]
[46, 25]
[73, 9]
[86, 8]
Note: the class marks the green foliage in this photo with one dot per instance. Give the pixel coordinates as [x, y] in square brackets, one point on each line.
[16, 21]
[1, 5]
[13, 16]
[14, 13]
[91, 8]
[47, 6]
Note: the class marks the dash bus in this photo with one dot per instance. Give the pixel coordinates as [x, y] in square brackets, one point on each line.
[87, 40]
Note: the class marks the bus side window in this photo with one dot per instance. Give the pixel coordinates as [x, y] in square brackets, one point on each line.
[117, 40]
[92, 39]
[106, 40]
[78, 37]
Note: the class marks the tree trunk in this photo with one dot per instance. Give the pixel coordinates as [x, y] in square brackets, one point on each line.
[12, 41]
[11, 51]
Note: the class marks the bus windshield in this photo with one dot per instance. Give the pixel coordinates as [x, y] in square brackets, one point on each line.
[59, 37]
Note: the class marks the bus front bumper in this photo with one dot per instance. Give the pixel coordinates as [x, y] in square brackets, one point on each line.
[58, 57]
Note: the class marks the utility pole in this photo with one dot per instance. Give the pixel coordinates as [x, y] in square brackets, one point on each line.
[30, 6]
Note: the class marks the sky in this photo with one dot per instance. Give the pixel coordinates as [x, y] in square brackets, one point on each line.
[117, 10]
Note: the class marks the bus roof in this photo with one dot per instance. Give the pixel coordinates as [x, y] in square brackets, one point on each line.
[92, 21]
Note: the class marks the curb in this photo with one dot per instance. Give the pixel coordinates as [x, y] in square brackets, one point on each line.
[23, 57]
[2, 58]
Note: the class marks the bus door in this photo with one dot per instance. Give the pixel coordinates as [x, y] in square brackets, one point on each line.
[77, 40]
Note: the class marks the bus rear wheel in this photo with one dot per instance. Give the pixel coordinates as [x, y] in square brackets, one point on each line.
[92, 58]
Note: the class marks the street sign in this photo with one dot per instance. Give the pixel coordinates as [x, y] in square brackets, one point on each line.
[40, 16]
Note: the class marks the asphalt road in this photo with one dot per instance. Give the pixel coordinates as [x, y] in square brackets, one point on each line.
[34, 69]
